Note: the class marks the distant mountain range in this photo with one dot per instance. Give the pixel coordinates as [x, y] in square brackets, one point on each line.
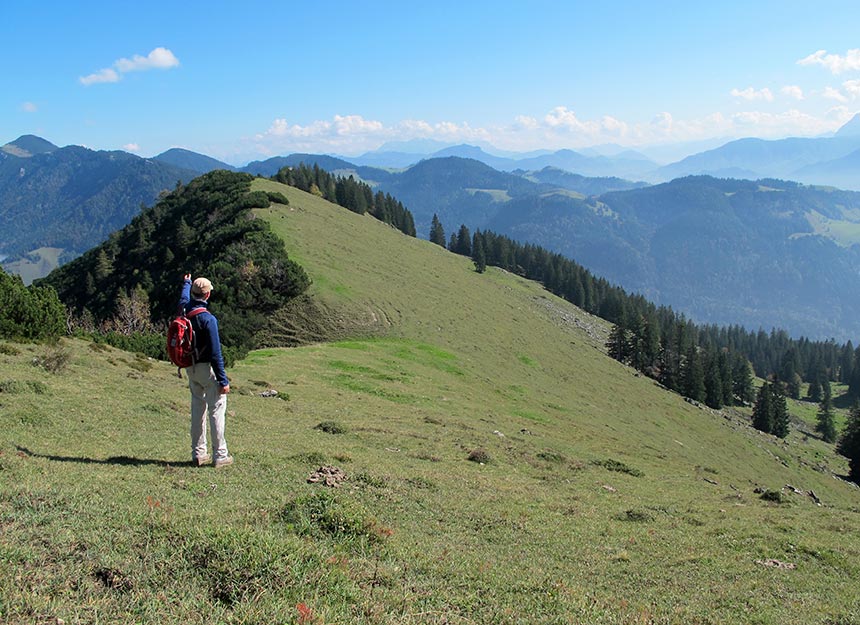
[763, 252]
[829, 161]
[67, 200]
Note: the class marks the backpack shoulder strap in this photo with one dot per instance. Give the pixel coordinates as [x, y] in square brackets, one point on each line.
[196, 311]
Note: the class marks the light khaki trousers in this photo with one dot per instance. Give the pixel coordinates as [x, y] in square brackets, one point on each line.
[205, 397]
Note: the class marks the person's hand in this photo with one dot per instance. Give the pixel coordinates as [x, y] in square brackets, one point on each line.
[187, 277]
[225, 389]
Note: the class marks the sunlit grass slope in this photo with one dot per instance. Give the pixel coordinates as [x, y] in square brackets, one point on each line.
[602, 497]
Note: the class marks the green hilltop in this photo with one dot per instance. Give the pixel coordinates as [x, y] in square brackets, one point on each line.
[499, 468]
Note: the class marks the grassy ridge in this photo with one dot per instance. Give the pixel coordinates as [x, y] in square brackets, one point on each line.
[604, 499]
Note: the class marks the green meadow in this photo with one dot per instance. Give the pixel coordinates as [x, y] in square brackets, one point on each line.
[493, 465]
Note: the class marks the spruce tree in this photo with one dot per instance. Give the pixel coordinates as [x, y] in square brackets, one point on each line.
[713, 384]
[824, 424]
[437, 232]
[464, 241]
[814, 391]
[726, 379]
[618, 343]
[762, 416]
[780, 412]
[694, 375]
[849, 444]
[479, 256]
[742, 380]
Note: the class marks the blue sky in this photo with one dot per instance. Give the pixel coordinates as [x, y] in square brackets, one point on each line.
[246, 80]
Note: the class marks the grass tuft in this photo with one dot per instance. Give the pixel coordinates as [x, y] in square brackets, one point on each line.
[54, 359]
[9, 350]
[324, 515]
[481, 456]
[331, 427]
[619, 467]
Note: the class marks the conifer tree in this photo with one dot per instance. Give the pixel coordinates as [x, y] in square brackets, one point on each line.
[618, 343]
[814, 391]
[437, 232]
[849, 443]
[726, 380]
[780, 412]
[479, 256]
[846, 363]
[762, 416]
[742, 380]
[694, 375]
[824, 424]
[713, 384]
[464, 241]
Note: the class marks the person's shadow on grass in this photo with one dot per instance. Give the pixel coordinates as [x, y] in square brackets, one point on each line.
[114, 460]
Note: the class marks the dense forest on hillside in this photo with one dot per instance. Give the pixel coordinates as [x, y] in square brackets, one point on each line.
[349, 193]
[205, 228]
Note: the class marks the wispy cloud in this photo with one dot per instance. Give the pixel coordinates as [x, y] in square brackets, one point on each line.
[159, 58]
[834, 94]
[131, 147]
[752, 94]
[792, 91]
[852, 87]
[29, 107]
[835, 63]
[103, 75]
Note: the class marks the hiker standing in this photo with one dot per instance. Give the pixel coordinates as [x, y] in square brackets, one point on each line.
[206, 377]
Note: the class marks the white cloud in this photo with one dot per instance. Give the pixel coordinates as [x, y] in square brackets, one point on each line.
[835, 63]
[613, 126]
[751, 94]
[839, 115]
[131, 147]
[103, 75]
[525, 122]
[29, 107]
[852, 87]
[793, 91]
[833, 94]
[159, 58]
[559, 128]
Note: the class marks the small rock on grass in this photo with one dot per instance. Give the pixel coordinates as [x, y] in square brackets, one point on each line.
[328, 476]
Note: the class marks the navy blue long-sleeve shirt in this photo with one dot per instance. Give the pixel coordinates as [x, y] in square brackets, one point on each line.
[206, 332]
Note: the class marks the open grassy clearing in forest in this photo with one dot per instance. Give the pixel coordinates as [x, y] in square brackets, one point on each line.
[601, 497]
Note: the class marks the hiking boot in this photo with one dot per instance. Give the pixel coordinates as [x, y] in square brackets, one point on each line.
[201, 460]
[223, 462]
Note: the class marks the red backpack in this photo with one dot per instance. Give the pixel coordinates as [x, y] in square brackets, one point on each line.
[181, 346]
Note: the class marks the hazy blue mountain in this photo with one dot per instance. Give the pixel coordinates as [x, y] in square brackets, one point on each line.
[843, 173]
[802, 159]
[186, 159]
[722, 251]
[26, 146]
[474, 152]
[396, 160]
[458, 190]
[614, 150]
[579, 184]
[270, 166]
[850, 128]
[592, 166]
[72, 198]
[424, 147]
